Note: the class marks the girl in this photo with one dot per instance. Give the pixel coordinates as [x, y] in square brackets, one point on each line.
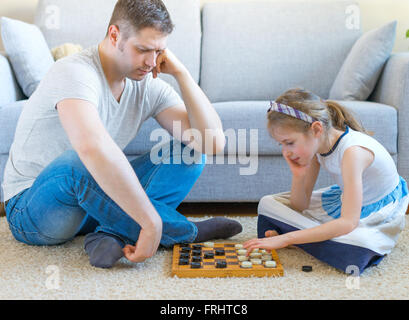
[352, 224]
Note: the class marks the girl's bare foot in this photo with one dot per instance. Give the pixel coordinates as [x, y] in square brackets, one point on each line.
[273, 233]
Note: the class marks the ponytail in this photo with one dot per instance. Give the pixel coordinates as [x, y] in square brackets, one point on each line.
[342, 117]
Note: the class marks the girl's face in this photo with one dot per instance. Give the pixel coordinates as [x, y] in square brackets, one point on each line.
[297, 146]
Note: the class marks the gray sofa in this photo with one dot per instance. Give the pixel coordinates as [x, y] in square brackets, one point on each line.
[242, 54]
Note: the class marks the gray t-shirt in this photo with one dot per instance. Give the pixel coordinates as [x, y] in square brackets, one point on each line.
[40, 137]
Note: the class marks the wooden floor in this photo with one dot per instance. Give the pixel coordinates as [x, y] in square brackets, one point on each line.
[201, 209]
[225, 208]
[208, 208]
[216, 208]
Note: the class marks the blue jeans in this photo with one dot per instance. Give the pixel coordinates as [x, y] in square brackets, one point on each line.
[65, 201]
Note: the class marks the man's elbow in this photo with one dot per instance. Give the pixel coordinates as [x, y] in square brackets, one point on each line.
[219, 142]
[87, 147]
[84, 150]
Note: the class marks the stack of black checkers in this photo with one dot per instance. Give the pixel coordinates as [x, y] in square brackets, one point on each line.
[195, 256]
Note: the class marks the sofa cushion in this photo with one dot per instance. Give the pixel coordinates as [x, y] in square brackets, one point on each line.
[244, 123]
[62, 22]
[363, 66]
[239, 119]
[10, 89]
[224, 183]
[247, 115]
[143, 142]
[9, 115]
[28, 52]
[369, 113]
[256, 52]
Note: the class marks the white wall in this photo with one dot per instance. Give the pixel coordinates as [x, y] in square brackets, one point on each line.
[18, 9]
[374, 14]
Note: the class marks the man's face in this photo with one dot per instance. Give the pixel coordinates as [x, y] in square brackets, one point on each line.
[138, 53]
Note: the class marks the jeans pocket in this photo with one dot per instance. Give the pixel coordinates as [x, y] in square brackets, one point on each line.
[23, 234]
[14, 203]
[14, 213]
[14, 224]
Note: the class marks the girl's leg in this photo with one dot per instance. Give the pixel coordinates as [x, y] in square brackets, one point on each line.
[273, 215]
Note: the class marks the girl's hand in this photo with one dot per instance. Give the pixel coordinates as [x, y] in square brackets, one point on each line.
[270, 243]
[296, 169]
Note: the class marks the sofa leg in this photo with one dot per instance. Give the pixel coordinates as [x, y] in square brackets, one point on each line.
[2, 212]
[407, 210]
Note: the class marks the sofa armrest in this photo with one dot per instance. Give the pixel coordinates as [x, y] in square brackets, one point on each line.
[393, 89]
[10, 91]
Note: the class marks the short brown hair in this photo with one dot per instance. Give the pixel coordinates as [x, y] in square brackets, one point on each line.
[140, 14]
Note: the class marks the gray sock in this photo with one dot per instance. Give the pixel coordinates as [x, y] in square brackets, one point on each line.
[103, 249]
[216, 228]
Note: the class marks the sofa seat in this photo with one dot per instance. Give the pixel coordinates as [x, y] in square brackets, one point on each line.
[9, 115]
[243, 119]
[241, 54]
[242, 122]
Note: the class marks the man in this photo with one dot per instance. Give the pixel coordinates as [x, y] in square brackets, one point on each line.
[67, 174]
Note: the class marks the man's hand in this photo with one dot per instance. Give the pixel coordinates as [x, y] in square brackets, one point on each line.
[196, 113]
[146, 246]
[168, 63]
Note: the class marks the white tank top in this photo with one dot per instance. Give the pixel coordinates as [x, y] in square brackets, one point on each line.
[378, 180]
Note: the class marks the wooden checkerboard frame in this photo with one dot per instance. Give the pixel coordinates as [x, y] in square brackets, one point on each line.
[233, 269]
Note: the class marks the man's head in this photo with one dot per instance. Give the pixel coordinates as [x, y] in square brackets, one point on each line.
[138, 31]
[134, 15]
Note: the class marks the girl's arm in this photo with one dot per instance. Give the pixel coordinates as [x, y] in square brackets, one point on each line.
[355, 160]
[302, 184]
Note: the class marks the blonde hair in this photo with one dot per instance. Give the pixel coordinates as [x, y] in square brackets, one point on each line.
[330, 113]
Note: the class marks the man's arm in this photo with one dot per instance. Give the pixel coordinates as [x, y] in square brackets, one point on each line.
[197, 113]
[111, 170]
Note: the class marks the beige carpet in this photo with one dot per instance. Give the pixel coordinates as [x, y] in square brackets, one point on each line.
[63, 272]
